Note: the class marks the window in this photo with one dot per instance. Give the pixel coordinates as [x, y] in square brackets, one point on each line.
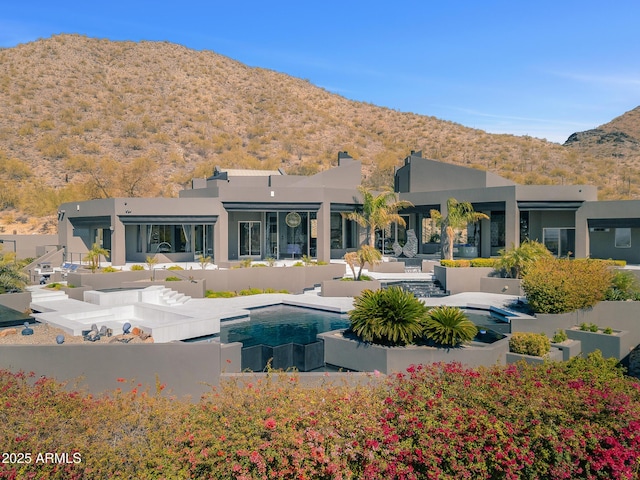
[560, 241]
[623, 238]
[169, 238]
[249, 238]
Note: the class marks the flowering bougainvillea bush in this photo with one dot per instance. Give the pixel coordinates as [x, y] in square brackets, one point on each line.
[579, 419]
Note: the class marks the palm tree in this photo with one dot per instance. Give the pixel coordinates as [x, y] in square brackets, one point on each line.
[378, 211]
[459, 215]
[515, 261]
[93, 256]
[366, 254]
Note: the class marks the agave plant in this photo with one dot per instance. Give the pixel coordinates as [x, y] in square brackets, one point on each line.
[448, 327]
[389, 316]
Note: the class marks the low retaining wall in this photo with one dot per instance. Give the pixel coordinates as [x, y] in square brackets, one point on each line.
[617, 345]
[554, 355]
[303, 357]
[352, 354]
[186, 369]
[506, 286]
[292, 279]
[460, 279]
[343, 288]
[617, 315]
[16, 301]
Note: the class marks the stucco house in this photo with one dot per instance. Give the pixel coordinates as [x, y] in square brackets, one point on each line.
[238, 214]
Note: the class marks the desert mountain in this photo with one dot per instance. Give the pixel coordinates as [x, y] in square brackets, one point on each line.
[89, 118]
[620, 138]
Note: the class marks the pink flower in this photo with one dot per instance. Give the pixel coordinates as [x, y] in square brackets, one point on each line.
[270, 423]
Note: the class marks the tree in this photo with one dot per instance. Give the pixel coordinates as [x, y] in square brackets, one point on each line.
[378, 211]
[366, 254]
[93, 256]
[204, 261]
[459, 215]
[11, 275]
[515, 261]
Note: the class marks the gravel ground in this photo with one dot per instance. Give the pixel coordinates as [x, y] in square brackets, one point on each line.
[46, 335]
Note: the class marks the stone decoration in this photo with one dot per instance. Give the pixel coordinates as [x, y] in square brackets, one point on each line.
[410, 248]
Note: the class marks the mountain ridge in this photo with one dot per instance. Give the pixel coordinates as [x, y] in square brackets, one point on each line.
[88, 118]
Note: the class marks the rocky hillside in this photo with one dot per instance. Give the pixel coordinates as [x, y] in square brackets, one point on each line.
[89, 118]
[620, 138]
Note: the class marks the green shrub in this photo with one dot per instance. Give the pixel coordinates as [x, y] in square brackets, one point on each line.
[607, 331]
[298, 264]
[559, 337]
[55, 286]
[483, 262]
[448, 327]
[271, 290]
[172, 279]
[259, 265]
[250, 291]
[175, 267]
[526, 343]
[624, 286]
[134, 268]
[227, 294]
[110, 269]
[389, 316]
[562, 285]
[589, 327]
[455, 263]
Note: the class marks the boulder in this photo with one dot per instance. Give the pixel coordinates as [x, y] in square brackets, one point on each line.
[8, 331]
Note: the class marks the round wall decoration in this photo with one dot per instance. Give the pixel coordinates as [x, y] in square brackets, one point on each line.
[293, 219]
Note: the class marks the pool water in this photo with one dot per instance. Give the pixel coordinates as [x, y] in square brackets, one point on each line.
[282, 324]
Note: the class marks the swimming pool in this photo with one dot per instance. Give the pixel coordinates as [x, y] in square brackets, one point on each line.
[281, 324]
[285, 336]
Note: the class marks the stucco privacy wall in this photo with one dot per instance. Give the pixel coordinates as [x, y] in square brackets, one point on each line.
[186, 369]
[29, 246]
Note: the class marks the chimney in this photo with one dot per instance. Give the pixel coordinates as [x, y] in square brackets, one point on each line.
[343, 156]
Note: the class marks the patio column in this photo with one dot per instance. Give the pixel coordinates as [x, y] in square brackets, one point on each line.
[324, 232]
[118, 242]
[221, 238]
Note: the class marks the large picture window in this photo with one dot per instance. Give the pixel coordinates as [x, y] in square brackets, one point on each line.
[169, 238]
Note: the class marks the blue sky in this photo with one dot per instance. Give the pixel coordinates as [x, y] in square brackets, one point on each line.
[545, 69]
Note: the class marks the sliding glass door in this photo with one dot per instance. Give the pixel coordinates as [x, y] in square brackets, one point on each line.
[560, 241]
[249, 239]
